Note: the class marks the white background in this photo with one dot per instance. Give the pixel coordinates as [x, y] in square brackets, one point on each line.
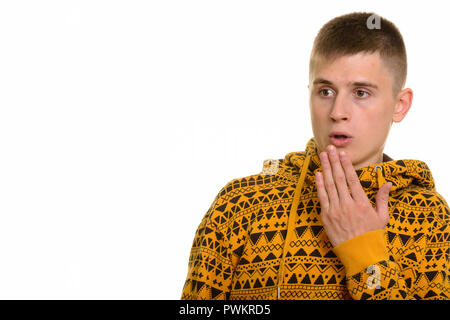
[121, 120]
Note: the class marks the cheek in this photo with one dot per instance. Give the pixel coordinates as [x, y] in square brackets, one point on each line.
[379, 119]
[373, 114]
[372, 128]
[318, 121]
[319, 112]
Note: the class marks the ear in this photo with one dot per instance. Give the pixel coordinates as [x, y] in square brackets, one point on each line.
[403, 104]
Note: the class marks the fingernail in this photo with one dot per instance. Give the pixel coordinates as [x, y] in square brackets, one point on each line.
[342, 153]
[332, 149]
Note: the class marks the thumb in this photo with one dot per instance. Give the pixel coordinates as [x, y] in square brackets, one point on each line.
[382, 199]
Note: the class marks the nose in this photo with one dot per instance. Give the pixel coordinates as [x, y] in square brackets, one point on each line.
[339, 110]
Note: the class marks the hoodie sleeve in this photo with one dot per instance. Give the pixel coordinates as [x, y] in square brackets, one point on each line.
[210, 265]
[422, 272]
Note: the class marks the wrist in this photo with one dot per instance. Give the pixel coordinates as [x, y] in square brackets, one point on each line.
[357, 253]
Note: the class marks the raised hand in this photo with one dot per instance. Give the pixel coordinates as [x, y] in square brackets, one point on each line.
[346, 215]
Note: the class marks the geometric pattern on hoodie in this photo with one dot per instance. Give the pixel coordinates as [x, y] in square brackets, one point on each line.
[262, 238]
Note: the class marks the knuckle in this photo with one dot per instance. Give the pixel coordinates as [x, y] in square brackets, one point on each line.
[353, 180]
[361, 206]
[340, 178]
[329, 184]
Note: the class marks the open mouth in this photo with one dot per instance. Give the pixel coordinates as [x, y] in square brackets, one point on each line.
[340, 140]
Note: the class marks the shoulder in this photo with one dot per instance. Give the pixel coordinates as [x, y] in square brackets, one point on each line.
[442, 209]
[269, 176]
[240, 195]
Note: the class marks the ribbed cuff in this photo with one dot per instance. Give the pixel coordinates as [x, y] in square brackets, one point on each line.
[362, 251]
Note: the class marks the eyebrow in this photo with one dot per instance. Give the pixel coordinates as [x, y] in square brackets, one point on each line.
[355, 83]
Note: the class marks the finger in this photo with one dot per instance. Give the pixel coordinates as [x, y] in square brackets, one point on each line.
[339, 175]
[321, 192]
[382, 202]
[328, 179]
[352, 178]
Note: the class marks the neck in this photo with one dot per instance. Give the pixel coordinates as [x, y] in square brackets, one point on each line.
[369, 160]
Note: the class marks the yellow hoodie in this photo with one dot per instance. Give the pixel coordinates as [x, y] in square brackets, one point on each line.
[262, 238]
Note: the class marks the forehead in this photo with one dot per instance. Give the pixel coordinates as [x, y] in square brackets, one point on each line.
[360, 67]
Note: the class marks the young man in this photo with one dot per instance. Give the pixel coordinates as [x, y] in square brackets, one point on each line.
[321, 225]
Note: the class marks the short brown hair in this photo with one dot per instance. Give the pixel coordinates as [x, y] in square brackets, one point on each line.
[349, 34]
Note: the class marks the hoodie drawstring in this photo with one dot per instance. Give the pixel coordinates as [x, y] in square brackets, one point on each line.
[380, 179]
[291, 220]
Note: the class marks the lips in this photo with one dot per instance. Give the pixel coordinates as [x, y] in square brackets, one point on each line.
[340, 142]
[340, 138]
[340, 133]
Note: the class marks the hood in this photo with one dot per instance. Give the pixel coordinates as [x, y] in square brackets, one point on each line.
[300, 168]
[402, 173]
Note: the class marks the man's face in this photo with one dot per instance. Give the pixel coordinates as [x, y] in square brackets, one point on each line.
[342, 99]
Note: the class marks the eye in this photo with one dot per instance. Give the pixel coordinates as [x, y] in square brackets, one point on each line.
[362, 91]
[322, 90]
